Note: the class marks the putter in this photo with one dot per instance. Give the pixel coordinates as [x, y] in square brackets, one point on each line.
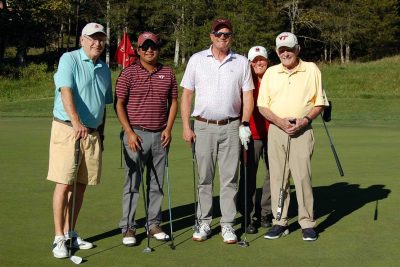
[172, 246]
[148, 249]
[282, 190]
[193, 144]
[74, 259]
[243, 243]
[339, 166]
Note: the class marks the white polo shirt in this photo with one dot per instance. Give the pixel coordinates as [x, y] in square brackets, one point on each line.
[218, 85]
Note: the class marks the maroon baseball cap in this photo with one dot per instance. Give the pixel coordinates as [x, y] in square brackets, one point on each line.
[221, 22]
[147, 36]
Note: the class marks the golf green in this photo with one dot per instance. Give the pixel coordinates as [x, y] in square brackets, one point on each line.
[357, 214]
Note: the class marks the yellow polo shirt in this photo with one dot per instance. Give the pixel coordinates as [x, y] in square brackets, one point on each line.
[292, 94]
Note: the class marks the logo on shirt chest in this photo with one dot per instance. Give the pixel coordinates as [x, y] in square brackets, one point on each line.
[161, 76]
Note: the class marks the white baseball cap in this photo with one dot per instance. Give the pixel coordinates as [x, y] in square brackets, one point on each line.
[287, 39]
[92, 28]
[256, 51]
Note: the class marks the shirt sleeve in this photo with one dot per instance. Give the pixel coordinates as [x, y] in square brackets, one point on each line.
[248, 84]
[320, 96]
[122, 85]
[174, 85]
[188, 80]
[263, 96]
[64, 76]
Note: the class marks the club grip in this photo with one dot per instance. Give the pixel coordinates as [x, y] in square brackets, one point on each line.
[193, 143]
[280, 205]
[245, 156]
[337, 161]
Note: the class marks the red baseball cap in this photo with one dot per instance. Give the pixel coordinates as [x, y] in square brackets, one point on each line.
[147, 36]
[221, 22]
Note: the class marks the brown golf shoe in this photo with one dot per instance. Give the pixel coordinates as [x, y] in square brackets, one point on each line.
[157, 233]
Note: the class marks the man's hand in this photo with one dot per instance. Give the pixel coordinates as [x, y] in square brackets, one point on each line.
[244, 135]
[166, 138]
[134, 141]
[79, 129]
[188, 135]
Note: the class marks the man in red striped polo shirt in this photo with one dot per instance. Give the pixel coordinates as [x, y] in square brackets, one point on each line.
[146, 106]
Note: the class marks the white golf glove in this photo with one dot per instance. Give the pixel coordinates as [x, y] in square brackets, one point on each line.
[244, 135]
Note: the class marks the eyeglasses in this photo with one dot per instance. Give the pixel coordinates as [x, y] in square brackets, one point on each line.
[286, 49]
[225, 34]
[146, 47]
[94, 40]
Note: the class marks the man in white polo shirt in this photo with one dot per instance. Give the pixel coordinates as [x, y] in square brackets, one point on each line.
[222, 83]
[291, 96]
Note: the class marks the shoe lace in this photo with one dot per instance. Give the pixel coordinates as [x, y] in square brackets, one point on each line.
[227, 229]
[60, 243]
[204, 227]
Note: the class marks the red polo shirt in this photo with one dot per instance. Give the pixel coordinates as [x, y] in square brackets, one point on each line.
[146, 94]
[258, 124]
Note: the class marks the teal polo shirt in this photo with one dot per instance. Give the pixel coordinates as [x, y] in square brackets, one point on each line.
[90, 84]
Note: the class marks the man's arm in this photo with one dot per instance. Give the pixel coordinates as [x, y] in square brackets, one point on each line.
[166, 136]
[186, 104]
[248, 105]
[69, 105]
[133, 139]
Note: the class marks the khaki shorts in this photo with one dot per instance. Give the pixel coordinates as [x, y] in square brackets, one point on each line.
[62, 167]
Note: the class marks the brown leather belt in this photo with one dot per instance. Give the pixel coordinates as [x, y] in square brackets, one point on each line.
[137, 127]
[217, 122]
[90, 130]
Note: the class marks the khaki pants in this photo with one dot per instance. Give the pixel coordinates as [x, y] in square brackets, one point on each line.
[298, 166]
[217, 142]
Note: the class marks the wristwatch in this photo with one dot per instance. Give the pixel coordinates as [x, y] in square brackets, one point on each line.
[308, 118]
[245, 123]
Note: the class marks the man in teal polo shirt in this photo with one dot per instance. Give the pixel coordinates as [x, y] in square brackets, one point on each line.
[83, 88]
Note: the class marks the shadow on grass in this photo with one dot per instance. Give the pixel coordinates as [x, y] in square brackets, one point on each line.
[337, 201]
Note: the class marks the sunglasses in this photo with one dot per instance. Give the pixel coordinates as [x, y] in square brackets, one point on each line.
[146, 47]
[225, 34]
[101, 41]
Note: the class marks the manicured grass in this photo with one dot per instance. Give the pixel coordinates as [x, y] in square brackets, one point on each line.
[351, 235]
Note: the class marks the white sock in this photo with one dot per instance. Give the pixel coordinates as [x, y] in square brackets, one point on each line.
[57, 238]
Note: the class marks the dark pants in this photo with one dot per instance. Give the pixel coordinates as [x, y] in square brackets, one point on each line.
[257, 150]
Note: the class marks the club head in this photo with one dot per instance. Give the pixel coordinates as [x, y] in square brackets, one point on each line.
[147, 250]
[76, 259]
[172, 246]
[243, 244]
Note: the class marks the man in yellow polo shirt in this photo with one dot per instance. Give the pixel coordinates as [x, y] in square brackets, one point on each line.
[290, 97]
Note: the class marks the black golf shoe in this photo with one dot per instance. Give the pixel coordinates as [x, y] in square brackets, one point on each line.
[251, 229]
[276, 232]
[266, 221]
[309, 234]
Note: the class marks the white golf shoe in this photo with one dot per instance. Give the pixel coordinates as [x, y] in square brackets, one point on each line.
[77, 241]
[128, 237]
[228, 233]
[202, 232]
[60, 250]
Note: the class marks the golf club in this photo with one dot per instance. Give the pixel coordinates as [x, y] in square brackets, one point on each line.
[376, 211]
[172, 246]
[74, 259]
[243, 243]
[148, 249]
[282, 190]
[193, 144]
[333, 149]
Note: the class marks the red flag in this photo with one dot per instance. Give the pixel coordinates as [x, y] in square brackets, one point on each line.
[125, 54]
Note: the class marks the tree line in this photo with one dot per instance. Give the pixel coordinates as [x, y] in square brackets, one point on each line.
[328, 30]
